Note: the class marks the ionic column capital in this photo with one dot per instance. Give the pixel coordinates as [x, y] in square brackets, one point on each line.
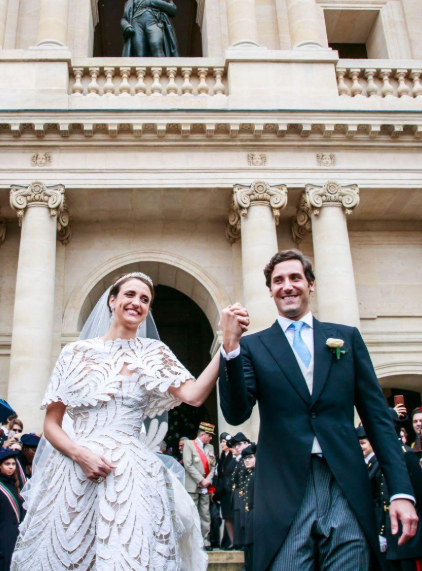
[37, 194]
[331, 194]
[259, 193]
[301, 223]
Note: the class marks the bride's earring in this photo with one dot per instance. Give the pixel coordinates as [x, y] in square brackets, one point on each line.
[112, 316]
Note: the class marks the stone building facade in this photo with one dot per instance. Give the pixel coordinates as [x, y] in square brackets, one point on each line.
[197, 169]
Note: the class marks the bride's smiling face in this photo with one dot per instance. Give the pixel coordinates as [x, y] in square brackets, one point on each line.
[132, 303]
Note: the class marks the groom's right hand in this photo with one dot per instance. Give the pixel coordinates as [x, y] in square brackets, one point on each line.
[234, 322]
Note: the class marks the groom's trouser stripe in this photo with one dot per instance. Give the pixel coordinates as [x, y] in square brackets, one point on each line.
[325, 529]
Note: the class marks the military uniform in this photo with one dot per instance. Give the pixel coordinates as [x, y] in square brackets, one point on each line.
[193, 451]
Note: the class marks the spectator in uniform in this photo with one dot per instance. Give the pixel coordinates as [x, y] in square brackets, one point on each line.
[225, 467]
[29, 447]
[237, 443]
[11, 510]
[249, 458]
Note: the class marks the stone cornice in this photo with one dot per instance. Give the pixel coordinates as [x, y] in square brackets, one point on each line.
[37, 194]
[257, 193]
[331, 194]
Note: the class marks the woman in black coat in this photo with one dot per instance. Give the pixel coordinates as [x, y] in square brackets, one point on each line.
[11, 511]
[225, 467]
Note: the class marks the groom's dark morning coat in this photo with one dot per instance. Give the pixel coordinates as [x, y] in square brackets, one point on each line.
[267, 372]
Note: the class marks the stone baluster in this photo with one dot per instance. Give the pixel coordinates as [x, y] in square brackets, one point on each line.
[387, 89]
[93, 87]
[304, 24]
[255, 214]
[156, 87]
[187, 87]
[241, 20]
[356, 89]
[415, 74]
[124, 87]
[336, 291]
[53, 23]
[171, 86]
[403, 89]
[203, 88]
[109, 87]
[343, 90]
[41, 212]
[140, 87]
[371, 87]
[219, 85]
[78, 88]
[4, 4]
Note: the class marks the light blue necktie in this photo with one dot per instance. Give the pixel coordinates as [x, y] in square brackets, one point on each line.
[299, 344]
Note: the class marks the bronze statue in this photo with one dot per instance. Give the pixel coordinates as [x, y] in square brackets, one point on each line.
[147, 29]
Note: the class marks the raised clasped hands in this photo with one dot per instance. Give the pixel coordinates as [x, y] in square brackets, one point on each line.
[234, 323]
[93, 465]
[404, 511]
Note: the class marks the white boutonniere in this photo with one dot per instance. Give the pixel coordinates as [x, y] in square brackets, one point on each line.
[336, 346]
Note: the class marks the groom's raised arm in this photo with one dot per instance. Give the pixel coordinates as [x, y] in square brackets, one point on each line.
[237, 384]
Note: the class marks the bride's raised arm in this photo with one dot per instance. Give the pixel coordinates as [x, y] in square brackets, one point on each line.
[196, 392]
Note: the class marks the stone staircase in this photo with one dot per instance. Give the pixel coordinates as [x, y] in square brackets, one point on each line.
[225, 560]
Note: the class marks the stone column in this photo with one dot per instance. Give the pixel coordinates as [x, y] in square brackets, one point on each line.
[53, 24]
[41, 212]
[241, 21]
[304, 24]
[255, 213]
[3, 18]
[335, 281]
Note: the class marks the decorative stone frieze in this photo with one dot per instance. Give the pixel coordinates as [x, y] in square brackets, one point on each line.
[331, 194]
[301, 223]
[257, 160]
[258, 193]
[41, 159]
[326, 159]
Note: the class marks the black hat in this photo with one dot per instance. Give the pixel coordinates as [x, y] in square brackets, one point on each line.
[251, 449]
[224, 436]
[31, 440]
[360, 433]
[6, 453]
[239, 437]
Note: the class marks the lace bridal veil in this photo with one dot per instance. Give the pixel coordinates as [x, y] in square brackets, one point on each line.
[154, 430]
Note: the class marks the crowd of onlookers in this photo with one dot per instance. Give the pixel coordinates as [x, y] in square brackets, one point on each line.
[223, 487]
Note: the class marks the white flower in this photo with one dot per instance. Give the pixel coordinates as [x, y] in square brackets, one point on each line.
[334, 343]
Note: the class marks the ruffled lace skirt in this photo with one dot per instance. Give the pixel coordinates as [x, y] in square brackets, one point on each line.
[140, 518]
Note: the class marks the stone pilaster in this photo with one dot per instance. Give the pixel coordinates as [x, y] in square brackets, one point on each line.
[53, 24]
[336, 290]
[4, 4]
[241, 20]
[304, 24]
[42, 212]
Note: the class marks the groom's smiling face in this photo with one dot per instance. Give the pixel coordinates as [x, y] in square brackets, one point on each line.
[290, 289]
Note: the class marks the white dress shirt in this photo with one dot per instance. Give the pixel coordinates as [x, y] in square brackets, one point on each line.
[307, 334]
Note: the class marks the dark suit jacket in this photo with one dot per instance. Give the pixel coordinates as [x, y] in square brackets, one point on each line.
[267, 372]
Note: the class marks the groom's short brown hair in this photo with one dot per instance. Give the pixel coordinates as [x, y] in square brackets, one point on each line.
[284, 256]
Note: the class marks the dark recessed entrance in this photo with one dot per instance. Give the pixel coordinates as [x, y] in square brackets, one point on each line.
[183, 326]
[108, 39]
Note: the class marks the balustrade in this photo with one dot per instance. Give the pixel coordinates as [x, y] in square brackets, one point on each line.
[153, 80]
[379, 78]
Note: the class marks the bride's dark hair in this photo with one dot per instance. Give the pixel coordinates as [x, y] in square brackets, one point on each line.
[115, 289]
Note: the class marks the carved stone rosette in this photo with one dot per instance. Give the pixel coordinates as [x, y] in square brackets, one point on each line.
[331, 194]
[38, 194]
[301, 223]
[245, 196]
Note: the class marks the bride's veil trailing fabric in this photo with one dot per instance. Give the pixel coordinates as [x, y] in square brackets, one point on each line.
[155, 430]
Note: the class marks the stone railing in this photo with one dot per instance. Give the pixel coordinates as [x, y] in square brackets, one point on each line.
[148, 77]
[379, 78]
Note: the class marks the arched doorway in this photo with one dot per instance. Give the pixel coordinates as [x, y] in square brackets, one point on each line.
[108, 40]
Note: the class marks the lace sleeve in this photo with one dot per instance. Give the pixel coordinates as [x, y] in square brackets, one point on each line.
[164, 371]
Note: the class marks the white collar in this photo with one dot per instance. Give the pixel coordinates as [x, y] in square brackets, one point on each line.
[285, 322]
[200, 443]
[369, 457]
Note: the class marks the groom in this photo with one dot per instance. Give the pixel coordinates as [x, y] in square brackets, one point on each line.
[313, 502]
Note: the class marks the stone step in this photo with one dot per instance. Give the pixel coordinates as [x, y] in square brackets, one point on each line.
[225, 560]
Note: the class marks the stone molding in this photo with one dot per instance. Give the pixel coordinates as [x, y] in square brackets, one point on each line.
[49, 196]
[257, 193]
[301, 223]
[331, 194]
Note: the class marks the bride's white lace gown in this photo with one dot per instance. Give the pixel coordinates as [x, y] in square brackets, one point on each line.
[140, 518]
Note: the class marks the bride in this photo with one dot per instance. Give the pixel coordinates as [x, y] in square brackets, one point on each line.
[102, 500]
